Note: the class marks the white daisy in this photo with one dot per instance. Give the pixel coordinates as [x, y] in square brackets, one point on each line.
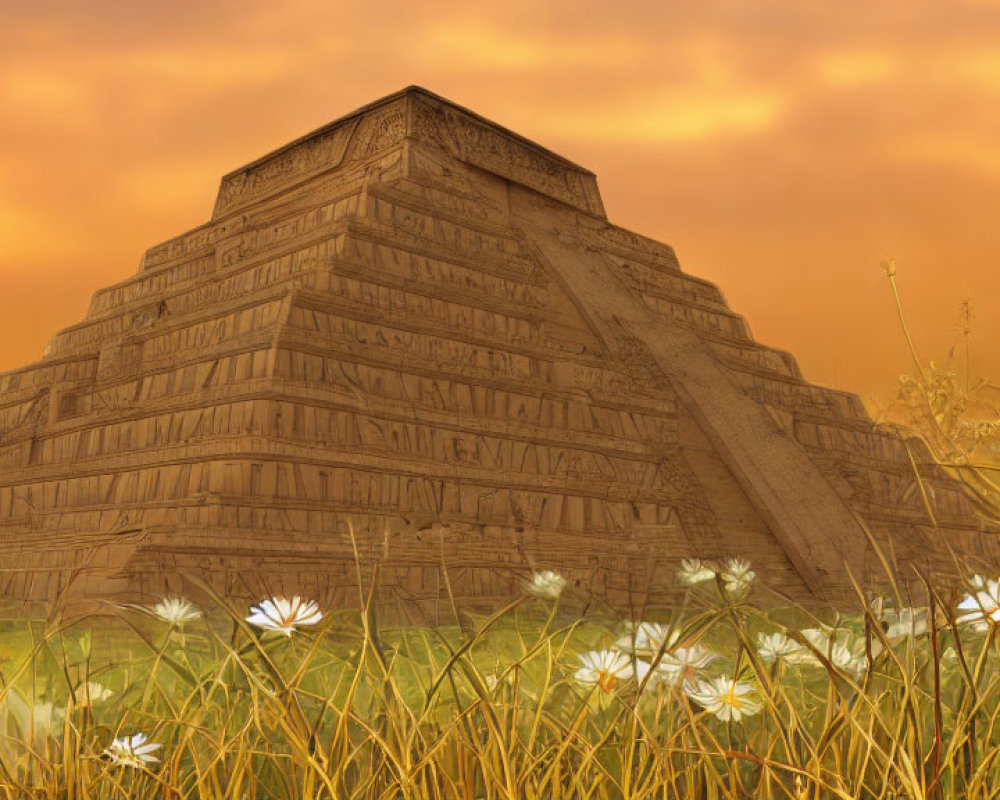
[90, 692]
[176, 610]
[647, 639]
[279, 614]
[607, 669]
[982, 607]
[737, 575]
[726, 698]
[905, 623]
[132, 751]
[684, 662]
[694, 570]
[778, 646]
[679, 664]
[547, 585]
[844, 650]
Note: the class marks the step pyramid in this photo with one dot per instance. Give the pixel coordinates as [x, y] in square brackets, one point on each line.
[414, 334]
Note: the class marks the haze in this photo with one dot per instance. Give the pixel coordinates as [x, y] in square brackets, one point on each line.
[783, 148]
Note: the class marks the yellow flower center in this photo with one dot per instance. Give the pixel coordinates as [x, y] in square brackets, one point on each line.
[607, 681]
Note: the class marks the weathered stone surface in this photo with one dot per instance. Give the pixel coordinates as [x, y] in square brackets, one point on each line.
[419, 323]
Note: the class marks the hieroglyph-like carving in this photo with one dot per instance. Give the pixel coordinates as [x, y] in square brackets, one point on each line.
[418, 325]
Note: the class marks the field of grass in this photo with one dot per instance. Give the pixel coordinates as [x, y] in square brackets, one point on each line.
[734, 693]
[720, 699]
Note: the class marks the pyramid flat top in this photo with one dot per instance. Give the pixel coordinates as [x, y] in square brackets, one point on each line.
[412, 114]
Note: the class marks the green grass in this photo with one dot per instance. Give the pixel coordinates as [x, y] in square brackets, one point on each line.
[491, 707]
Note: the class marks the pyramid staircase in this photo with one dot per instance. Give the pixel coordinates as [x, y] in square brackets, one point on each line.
[415, 334]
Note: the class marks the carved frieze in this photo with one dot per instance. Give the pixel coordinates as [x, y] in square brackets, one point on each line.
[370, 330]
[497, 150]
[288, 166]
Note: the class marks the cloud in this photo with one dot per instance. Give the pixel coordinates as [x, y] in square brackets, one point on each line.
[851, 68]
[764, 138]
[977, 155]
[47, 95]
[476, 45]
[23, 236]
[175, 185]
[671, 117]
[977, 67]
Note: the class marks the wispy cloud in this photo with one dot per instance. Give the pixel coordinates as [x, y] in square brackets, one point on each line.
[674, 117]
[857, 67]
[766, 139]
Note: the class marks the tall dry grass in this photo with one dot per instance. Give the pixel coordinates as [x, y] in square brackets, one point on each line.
[495, 707]
[950, 409]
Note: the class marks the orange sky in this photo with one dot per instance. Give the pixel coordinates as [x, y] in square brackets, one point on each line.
[782, 147]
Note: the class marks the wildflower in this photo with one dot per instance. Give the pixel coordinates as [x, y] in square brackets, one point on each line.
[728, 699]
[279, 614]
[647, 639]
[132, 751]
[547, 585]
[176, 610]
[684, 662]
[694, 570]
[737, 575]
[90, 692]
[607, 668]
[677, 665]
[905, 623]
[778, 646]
[982, 607]
[845, 651]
